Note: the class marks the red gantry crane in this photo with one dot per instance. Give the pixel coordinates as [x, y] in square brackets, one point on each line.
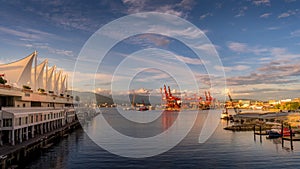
[172, 102]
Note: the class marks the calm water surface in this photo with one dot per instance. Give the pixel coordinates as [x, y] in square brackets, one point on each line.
[224, 149]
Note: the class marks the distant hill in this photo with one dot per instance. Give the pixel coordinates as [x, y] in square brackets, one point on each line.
[147, 100]
[89, 97]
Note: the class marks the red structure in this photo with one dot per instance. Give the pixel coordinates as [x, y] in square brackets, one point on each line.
[172, 102]
[208, 101]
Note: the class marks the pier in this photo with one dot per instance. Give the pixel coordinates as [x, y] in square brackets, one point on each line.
[13, 155]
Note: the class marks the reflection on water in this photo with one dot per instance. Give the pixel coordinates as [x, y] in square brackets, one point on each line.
[225, 149]
[168, 118]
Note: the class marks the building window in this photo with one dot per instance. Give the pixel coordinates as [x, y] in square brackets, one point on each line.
[31, 120]
[24, 105]
[20, 121]
[45, 117]
[7, 122]
[26, 120]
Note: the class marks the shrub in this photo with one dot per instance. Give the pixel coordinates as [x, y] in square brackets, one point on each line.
[26, 87]
[2, 81]
[41, 90]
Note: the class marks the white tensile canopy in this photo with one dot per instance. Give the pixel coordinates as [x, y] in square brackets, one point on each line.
[57, 82]
[50, 77]
[63, 84]
[40, 79]
[19, 72]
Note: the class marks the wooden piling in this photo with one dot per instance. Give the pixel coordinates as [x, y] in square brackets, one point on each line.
[254, 132]
[260, 129]
[282, 140]
[291, 137]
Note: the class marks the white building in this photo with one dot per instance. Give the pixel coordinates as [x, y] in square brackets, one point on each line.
[28, 112]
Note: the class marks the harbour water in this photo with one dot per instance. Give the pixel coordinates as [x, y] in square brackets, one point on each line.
[224, 149]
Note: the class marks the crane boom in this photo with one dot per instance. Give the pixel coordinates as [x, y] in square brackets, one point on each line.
[166, 93]
[235, 110]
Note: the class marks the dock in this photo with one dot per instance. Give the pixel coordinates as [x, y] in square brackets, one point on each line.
[11, 155]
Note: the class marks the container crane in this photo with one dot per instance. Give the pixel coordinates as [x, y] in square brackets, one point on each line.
[235, 109]
[172, 102]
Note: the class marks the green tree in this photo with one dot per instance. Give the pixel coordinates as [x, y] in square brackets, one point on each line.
[277, 106]
[2, 81]
[77, 98]
[293, 105]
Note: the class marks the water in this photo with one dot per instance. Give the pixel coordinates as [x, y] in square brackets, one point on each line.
[224, 149]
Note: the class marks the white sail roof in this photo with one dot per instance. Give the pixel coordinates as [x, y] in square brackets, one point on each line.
[63, 87]
[50, 77]
[57, 81]
[39, 75]
[19, 72]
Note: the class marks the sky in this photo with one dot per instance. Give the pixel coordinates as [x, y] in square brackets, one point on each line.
[257, 43]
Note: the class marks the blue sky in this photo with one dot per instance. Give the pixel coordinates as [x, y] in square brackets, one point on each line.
[257, 41]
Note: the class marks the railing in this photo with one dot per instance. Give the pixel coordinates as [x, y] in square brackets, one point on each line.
[8, 109]
[9, 87]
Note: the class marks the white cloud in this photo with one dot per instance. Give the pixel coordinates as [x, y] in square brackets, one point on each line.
[208, 48]
[103, 91]
[241, 11]
[188, 60]
[237, 47]
[205, 15]
[245, 48]
[26, 33]
[295, 33]
[265, 15]
[261, 2]
[288, 13]
[273, 28]
[179, 9]
[232, 68]
[284, 15]
[50, 49]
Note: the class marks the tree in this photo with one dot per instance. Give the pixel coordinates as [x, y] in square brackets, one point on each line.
[294, 105]
[77, 98]
[277, 106]
[26, 87]
[41, 90]
[2, 81]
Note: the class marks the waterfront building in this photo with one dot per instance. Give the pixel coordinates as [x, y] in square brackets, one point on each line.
[33, 100]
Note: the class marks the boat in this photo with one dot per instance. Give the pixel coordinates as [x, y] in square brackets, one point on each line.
[273, 133]
[286, 132]
[143, 108]
[276, 132]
